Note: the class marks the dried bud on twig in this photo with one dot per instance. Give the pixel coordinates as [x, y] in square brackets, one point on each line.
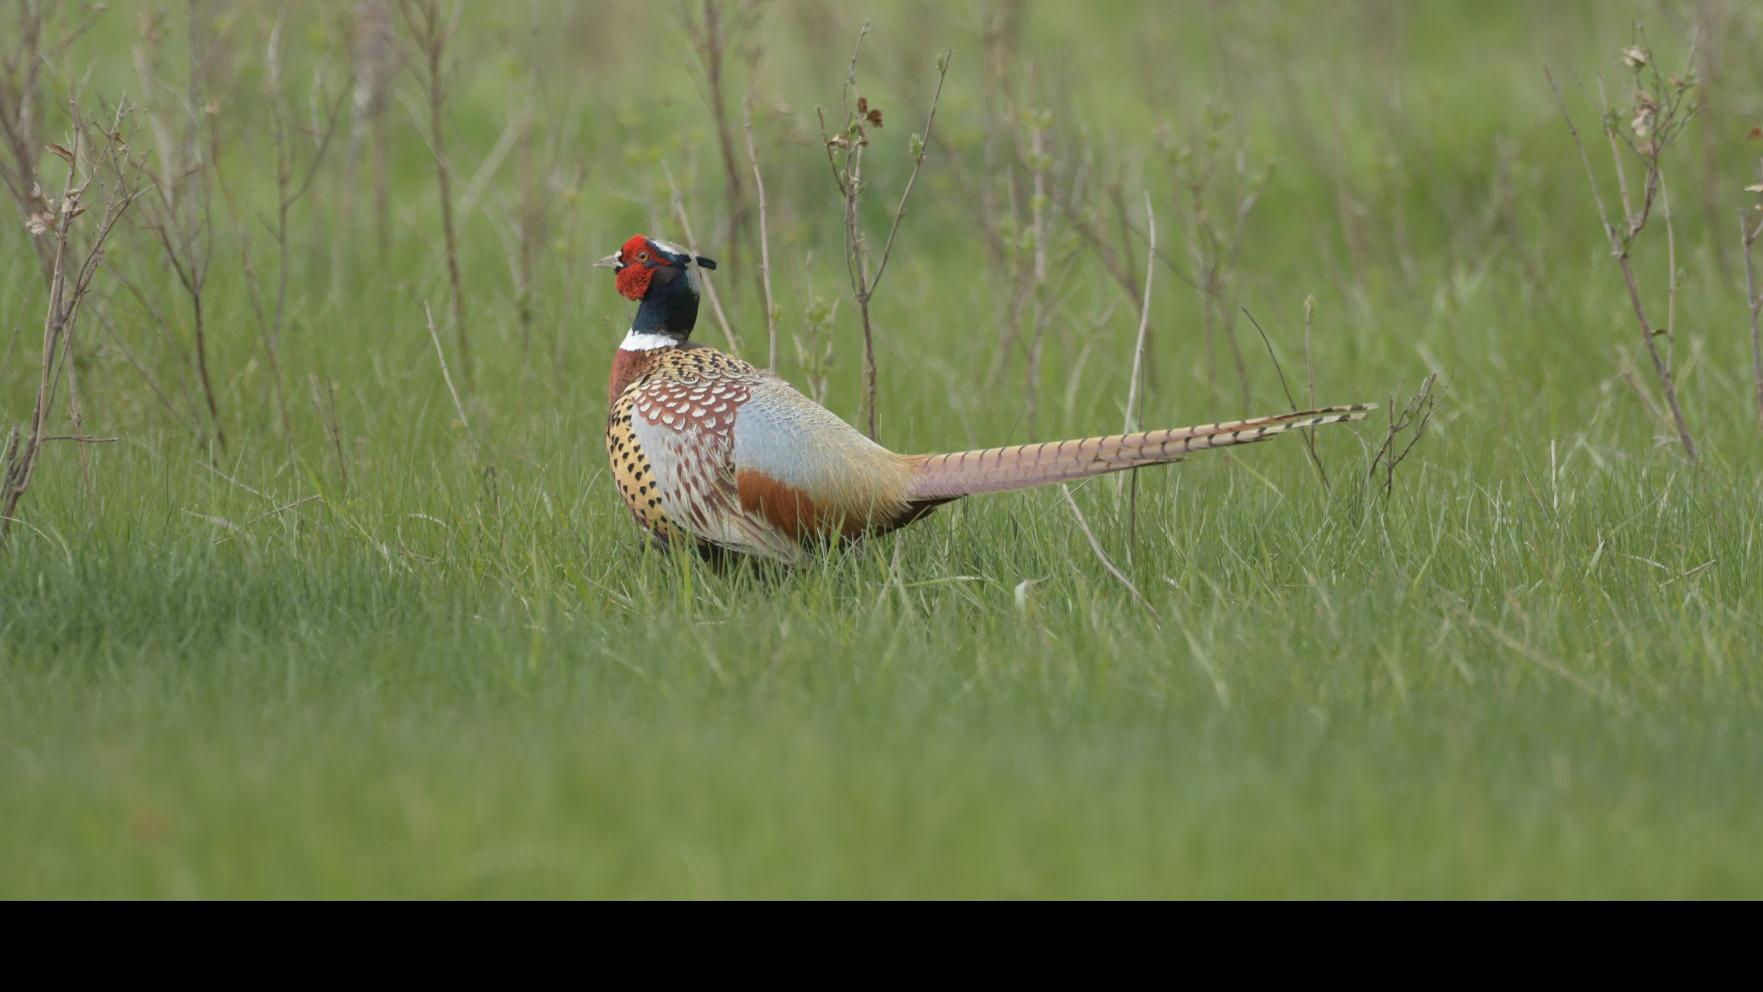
[871, 114]
[42, 213]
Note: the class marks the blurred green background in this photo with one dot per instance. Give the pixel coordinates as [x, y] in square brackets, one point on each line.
[375, 649]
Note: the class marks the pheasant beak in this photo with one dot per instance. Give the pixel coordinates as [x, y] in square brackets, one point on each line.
[613, 261]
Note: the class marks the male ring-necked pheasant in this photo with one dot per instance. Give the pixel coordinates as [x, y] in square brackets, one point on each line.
[710, 449]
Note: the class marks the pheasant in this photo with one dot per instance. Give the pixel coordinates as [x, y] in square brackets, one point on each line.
[709, 449]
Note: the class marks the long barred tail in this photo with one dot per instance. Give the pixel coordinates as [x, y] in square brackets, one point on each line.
[991, 470]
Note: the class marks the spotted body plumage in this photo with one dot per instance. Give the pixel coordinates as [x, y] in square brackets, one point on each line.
[684, 402]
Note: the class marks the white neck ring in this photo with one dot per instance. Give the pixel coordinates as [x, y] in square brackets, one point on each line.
[642, 341]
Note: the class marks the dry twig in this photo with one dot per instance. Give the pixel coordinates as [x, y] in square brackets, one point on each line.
[24, 53]
[374, 63]
[180, 216]
[120, 181]
[1134, 390]
[851, 141]
[324, 401]
[1661, 109]
[685, 223]
[1420, 406]
[711, 40]
[764, 240]
[432, 31]
[292, 185]
[1748, 235]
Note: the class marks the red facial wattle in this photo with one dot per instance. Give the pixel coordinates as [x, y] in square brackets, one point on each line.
[633, 279]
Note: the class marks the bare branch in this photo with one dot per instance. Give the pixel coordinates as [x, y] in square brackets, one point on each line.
[1628, 215]
[1134, 390]
[1658, 119]
[679, 213]
[431, 32]
[1387, 456]
[1754, 302]
[324, 400]
[70, 279]
[917, 164]
[1591, 177]
[710, 39]
[764, 241]
[852, 139]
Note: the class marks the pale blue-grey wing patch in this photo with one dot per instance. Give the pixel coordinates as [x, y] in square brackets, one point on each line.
[801, 444]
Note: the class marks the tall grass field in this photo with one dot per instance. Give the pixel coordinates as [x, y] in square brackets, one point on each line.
[330, 605]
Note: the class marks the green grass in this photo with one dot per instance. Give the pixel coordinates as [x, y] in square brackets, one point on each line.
[1530, 671]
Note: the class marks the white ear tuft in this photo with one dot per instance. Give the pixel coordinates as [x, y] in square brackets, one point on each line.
[671, 249]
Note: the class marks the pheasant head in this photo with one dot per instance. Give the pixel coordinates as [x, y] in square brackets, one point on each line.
[663, 278]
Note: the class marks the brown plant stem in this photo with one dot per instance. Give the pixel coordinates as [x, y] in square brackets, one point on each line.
[432, 33]
[1620, 244]
[685, 223]
[1387, 456]
[764, 240]
[853, 139]
[70, 280]
[1754, 302]
[1134, 390]
[710, 39]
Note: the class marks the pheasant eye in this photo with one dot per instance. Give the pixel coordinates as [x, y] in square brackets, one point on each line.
[642, 256]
